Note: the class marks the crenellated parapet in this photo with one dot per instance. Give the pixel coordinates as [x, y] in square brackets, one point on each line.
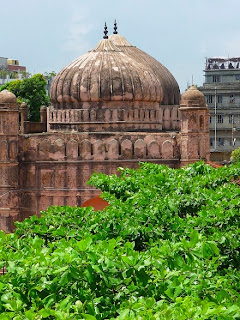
[99, 147]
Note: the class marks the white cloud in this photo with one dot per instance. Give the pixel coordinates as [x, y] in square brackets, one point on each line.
[77, 29]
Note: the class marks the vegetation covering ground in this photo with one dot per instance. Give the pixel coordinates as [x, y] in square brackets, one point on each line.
[167, 247]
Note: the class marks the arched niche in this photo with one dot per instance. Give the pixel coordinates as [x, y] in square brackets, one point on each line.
[86, 115]
[174, 118]
[112, 147]
[140, 149]
[44, 149]
[127, 149]
[166, 118]
[93, 115]
[13, 150]
[98, 150]
[153, 150]
[72, 150]
[167, 150]
[3, 150]
[86, 149]
[58, 150]
[107, 115]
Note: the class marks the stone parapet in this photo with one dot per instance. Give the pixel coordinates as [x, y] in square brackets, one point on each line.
[115, 119]
[98, 146]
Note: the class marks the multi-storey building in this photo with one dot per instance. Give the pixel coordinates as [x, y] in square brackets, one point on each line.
[222, 91]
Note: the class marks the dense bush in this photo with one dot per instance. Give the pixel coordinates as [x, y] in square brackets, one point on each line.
[32, 91]
[167, 247]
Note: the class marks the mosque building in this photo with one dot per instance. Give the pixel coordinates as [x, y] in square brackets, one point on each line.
[114, 106]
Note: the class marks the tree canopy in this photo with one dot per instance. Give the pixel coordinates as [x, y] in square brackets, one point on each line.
[167, 247]
[32, 91]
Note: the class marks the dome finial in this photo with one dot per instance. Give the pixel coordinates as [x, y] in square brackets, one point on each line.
[105, 32]
[115, 27]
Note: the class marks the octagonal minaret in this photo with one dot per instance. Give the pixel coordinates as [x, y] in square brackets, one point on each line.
[194, 127]
[9, 177]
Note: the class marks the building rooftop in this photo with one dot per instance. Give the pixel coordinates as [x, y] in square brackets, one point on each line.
[222, 63]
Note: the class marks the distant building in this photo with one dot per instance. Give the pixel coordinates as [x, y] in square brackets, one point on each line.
[13, 65]
[222, 91]
[10, 70]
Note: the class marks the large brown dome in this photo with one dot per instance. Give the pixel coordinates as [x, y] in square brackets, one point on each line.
[113, 87]
[113, 71]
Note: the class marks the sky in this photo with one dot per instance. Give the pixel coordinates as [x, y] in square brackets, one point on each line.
[46, 35]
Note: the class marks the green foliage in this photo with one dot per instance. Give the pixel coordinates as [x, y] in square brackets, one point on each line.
[167, 247]
[49, 75]
[32, 91]
[235, 155]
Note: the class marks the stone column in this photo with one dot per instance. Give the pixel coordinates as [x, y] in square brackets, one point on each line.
[43, 114]
[194, 127]
[9, 177]
[24, 115]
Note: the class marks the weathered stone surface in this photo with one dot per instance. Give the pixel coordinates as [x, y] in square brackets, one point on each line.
[98, 150]
[127, 149]
[72, 150]
[167, 150]
[153, 150]
[194, 126]
[140, 149]
[113, 149]
[7, 97]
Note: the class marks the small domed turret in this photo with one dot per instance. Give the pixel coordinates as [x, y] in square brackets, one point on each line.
[193, 98]
[7, 97]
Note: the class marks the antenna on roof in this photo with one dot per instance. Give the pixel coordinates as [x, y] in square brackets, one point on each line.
[115, 27]
[105, 32]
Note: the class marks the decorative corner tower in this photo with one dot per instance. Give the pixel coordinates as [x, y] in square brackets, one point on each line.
[194, 127]
[9, 178]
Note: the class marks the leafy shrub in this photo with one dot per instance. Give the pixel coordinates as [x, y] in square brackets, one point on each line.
[167, 247]
[235, 155]
[32, 91]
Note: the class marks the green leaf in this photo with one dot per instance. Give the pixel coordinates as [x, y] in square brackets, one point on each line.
[194, 237]
[45, 313]
[83, 245]
[88, 316]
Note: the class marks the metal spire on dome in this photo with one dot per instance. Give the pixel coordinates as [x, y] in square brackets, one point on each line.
[105, 32]
[115, 27]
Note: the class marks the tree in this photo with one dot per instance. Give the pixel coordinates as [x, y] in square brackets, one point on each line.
[32, 91]
[49, 75]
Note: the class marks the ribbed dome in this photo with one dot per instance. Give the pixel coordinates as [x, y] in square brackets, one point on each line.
[113, 87]
[195, 96]
[171, 93]
[105, 73]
